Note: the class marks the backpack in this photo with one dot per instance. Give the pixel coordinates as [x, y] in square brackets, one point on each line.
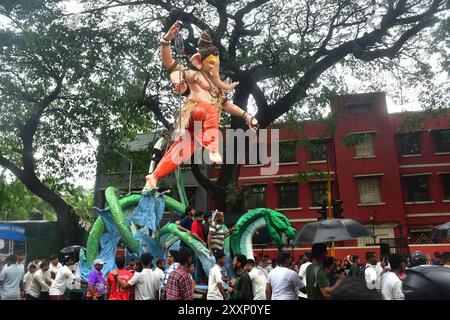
[316, 272]
[362, 274]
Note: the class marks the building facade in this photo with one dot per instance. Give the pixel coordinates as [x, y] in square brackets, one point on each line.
[392, 171]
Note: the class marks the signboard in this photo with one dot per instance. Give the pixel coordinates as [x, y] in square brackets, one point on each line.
[12, 228]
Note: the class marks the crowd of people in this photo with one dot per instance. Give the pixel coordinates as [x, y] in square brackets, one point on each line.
[313, 276]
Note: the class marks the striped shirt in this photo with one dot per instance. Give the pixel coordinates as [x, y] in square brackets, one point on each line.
[217, 236]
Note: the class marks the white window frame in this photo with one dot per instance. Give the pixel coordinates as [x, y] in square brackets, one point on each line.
[369, 196]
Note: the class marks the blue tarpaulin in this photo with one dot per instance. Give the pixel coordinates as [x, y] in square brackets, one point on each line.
[12, 232]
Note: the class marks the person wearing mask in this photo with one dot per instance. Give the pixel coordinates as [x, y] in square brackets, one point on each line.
[242, 289]
[216, 235]
[215, 280]
[369, 273]
[11, 276]
[259, 280]
[354, 268]
[270, 265]
[283, 283]
[64, 279]
[113, 290]
[179, 283]
[96, 282]
[302, 271]
[146, 283]
[28, 277]
[55, 265]
[391, 285]
[318, 285]
[40, 285]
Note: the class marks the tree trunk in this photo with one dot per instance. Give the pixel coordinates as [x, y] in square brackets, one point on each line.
[70, 228]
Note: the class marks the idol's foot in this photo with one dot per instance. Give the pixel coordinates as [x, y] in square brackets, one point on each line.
[151, 181]
[215, 157]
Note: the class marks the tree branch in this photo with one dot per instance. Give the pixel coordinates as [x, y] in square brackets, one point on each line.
[28, 130]
[298, 90]
[19, 173]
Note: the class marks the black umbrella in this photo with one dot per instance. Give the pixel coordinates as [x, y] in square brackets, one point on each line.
[427, 282]
[71, 249]
[331, 230]
[441, 231]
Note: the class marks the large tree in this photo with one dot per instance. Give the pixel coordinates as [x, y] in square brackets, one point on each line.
[290, 57]
[61, 88]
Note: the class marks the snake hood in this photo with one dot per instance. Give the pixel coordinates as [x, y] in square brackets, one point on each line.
[275, 222]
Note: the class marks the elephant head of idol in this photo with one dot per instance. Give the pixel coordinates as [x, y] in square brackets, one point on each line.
[207, 60]
[277, 223]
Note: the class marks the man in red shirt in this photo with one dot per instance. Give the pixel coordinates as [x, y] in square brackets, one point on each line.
[113, 290]
[196, 227]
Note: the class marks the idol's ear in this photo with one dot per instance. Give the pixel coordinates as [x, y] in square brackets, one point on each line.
[196, 60]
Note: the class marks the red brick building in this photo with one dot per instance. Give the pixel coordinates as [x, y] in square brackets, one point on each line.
[395, 183]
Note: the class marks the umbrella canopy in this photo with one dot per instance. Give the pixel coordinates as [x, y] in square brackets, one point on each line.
[331, 230]
[71, 249]
[441, 231]
[427, 283]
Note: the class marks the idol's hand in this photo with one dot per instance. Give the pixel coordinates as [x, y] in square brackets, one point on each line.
[233, 85]
[252, 122]
[170, 35]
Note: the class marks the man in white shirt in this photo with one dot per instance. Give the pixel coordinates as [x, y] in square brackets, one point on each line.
[380, 269]
[64, 279]
[284, 283]
[215, 282]
[28, 277]
[40, 284]
[259, 280]
[160, 269]
[391, 285]
[370, 275]
[146, 282]
[11, 277]
[302, 272]
[55, 265]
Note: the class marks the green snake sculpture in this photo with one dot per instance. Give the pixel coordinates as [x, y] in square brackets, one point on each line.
[118, 207]
[240, 241]
[275, 222]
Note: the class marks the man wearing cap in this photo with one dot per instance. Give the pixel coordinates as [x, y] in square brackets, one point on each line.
[96, 282]
[215, 282]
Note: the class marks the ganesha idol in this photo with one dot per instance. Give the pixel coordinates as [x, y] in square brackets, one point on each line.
[207, 97]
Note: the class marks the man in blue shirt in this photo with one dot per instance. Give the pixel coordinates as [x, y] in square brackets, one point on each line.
[186, 222]
[11, 277]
